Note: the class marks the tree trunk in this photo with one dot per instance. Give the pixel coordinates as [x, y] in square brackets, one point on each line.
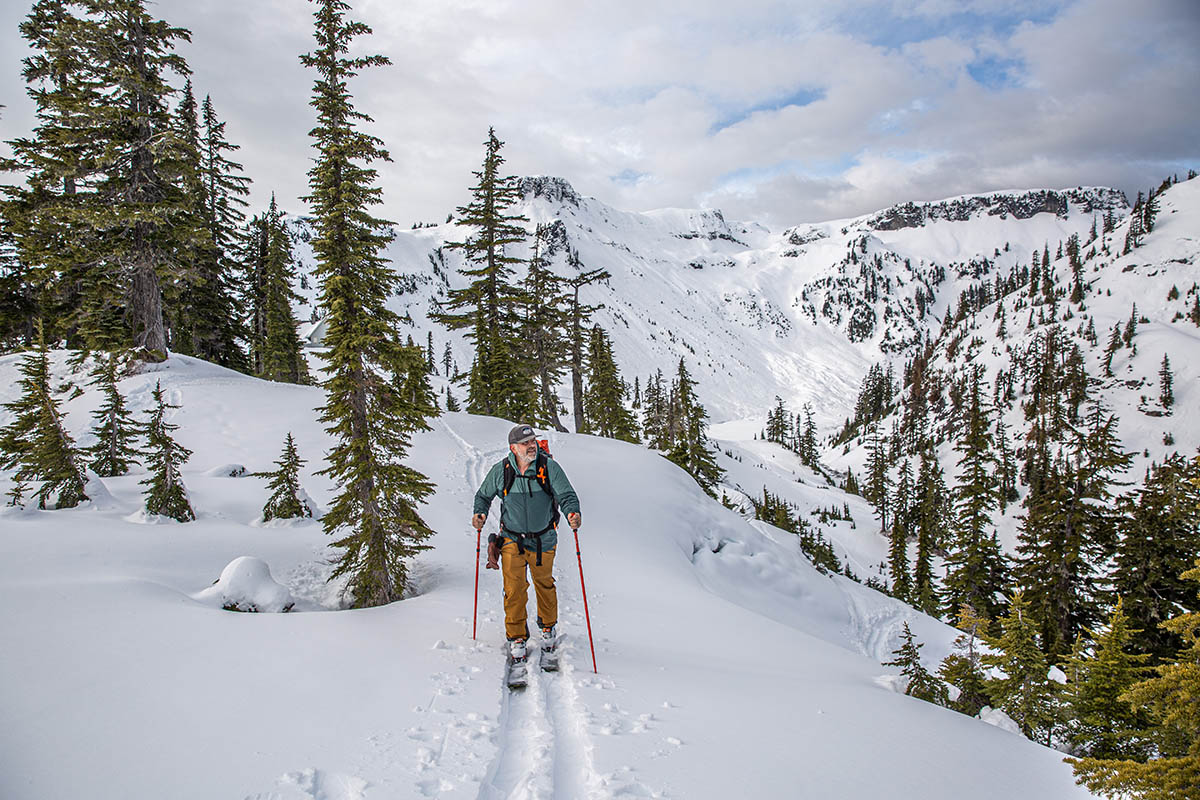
[145, 305]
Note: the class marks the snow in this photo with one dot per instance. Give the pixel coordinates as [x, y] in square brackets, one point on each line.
[246, 585]
[728, 665]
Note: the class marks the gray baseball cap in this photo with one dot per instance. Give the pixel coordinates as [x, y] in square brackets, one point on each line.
[521, 433]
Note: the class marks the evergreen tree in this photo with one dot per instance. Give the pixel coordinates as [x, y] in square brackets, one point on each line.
[604, 399]
[1023, 691]
[59, 159]
[375, 510]
[500, 382]
[1103, 724]
[808, 439]
[1114, 343]
[689, 446]
[931, 511]
[878, 486]
[1070, 531]
[580, 313]
[137, 216]
[975, 568]
[545, 331]
[35, 444]
[1170, 700]
[921, 683]
[1166, 394]
[902, 526]
[1130, 327]
[655, 410]
[115, 428]
[451, 403]
[1159, 537]
[211, 326]
[280, 355]
[285, 501]
[963, 668]
[165, 492]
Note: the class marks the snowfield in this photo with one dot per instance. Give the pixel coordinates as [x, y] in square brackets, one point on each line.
[728, 666]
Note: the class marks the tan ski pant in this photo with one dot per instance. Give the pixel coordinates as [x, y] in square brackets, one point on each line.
[516, 588]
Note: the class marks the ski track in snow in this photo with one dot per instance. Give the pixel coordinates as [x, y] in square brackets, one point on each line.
[874, 629]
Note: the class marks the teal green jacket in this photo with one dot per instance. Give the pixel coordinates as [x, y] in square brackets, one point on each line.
[527, 507]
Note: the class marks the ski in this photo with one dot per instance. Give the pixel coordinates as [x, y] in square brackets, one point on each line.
[550, 654]
[516, 672]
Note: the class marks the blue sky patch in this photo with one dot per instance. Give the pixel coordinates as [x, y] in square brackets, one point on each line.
[800, 97]
[996, 73]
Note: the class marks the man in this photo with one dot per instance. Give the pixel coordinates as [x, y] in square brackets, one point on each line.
[527, 538]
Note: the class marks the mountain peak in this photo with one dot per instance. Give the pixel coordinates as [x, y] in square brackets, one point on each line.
[549, 188]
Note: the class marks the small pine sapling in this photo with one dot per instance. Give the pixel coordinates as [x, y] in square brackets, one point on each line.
[922, 684]
[286, 501]
[115, 428]
[963, 669]
[165, 492]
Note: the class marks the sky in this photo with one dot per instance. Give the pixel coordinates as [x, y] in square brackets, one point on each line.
[776, 112]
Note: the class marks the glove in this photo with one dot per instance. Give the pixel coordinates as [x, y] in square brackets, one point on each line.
[493, 561]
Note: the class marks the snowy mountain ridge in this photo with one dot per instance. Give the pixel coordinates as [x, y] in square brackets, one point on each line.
[800, 313]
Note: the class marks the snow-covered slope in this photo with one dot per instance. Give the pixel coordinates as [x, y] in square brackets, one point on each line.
[729, 667]
[801, 313]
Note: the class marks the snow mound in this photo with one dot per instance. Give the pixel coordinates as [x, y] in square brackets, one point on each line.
[227, 471]
[246, 585]
[97, 492]
[994, 716]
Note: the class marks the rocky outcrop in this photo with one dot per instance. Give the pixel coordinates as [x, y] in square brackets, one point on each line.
[1019, 206]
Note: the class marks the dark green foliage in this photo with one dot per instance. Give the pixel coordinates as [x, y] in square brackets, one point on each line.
[369, 419]
[1160, 535]
[282, 357]
[1166, 391]
[808, 439]
[579, 314]
[1169, 699]
[903, 524]
[655, 412]
[1102, 724]
[209, 319]
[604, 401]
[285, 501]
[1069, 530]
[165, 492]
[276, 352]
[963, 668]
[35, 444]
[877, 486]
[1114, 344]
[975, 565]
[689, 445]
[1023, 692]
[545, 326]
[500, 383]
[103, 214]
[931, 509]
[921, 684]
[115, 428]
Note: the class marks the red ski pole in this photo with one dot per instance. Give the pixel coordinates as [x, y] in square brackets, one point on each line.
[586, 614]
[475, 610]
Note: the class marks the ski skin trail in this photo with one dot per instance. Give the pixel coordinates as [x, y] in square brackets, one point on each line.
[544, 751]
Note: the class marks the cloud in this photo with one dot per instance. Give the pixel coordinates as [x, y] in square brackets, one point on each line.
[778, 111]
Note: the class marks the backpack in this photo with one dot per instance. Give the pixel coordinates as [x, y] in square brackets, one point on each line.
[543, 480]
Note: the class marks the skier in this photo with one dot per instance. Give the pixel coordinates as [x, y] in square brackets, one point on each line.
[532, 487]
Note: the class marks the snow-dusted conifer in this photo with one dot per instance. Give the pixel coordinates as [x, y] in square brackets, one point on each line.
[1023, 689]
[921, 684]
[165, 492]
[35, 444]
[370, 421]
[115, 428]
[604, 400]
[285, 501]
[963, 668]
[1166, 391]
